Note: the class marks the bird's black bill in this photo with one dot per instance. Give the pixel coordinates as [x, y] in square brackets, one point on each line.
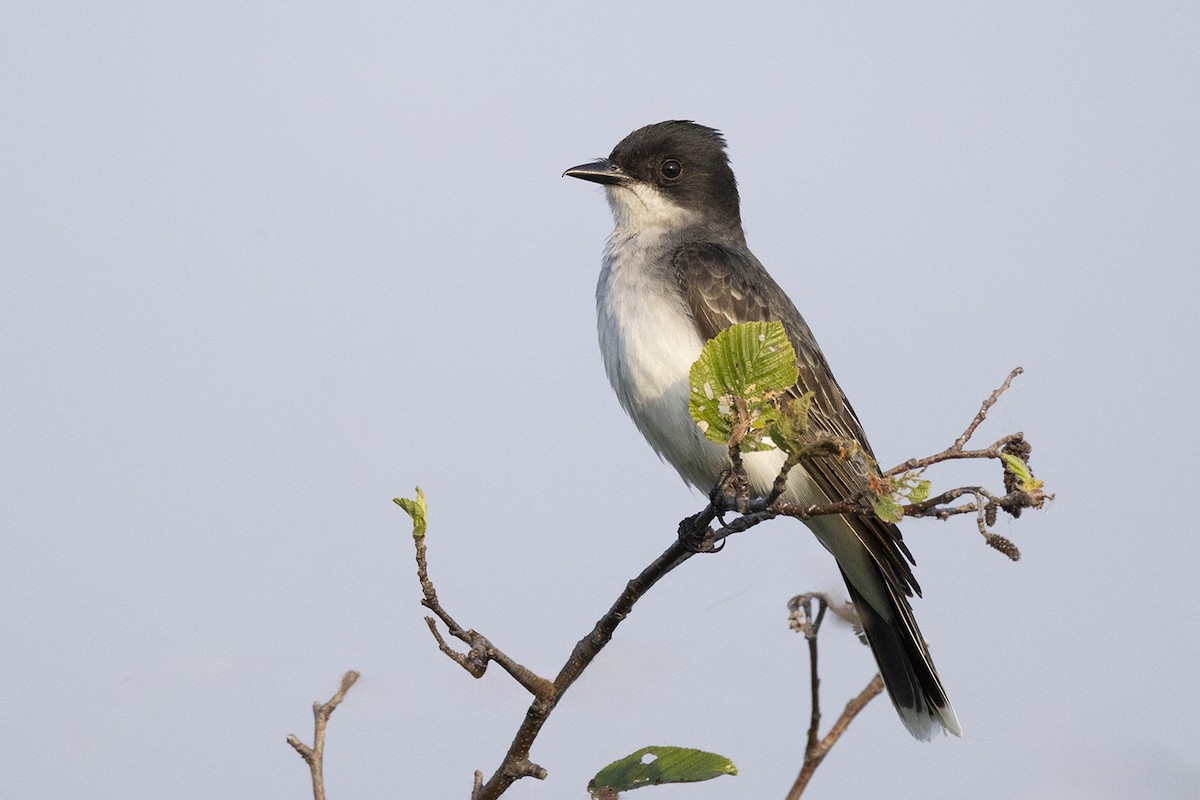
[599, 171]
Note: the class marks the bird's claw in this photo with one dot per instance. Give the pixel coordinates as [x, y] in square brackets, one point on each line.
[696, 536]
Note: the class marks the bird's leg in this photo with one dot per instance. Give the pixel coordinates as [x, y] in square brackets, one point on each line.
[731, 492]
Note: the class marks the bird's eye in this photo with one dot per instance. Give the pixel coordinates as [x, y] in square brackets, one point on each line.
[671, 169]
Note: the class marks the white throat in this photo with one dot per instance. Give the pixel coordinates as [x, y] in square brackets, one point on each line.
[648, 337]
[641, 207]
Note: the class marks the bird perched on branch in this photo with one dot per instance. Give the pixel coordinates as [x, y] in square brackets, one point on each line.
[677, 271]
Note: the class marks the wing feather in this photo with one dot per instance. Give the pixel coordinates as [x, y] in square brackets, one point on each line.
[724, 287]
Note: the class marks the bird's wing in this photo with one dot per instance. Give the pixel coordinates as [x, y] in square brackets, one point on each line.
[724, 287]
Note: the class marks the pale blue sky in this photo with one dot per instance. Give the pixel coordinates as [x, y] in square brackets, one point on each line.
[265, 266]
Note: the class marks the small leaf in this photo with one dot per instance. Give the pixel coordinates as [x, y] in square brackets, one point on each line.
[415, 509]
[651, 766]
[791, 427]
[886, 508]
[1020, 470]
[919, 491]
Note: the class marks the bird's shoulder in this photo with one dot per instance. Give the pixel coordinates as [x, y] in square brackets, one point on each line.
[726, 284]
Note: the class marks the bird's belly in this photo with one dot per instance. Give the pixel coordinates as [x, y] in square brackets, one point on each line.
[649, 346]
[649, 341]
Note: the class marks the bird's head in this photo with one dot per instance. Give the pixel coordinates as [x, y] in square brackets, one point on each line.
[666, 175]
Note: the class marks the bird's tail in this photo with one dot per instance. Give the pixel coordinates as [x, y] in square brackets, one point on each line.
[905, 664]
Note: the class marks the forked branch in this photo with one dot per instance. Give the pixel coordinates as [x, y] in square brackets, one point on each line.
[315, 756]
[804, 620]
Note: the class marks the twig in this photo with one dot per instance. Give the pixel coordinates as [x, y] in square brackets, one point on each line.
[810, 634]
[953, 454]
[516, 762]
[475, 660]
[961, 441]
[816, 748]
[956, 450]
[315, 756]
[813, 759]
[780, 485]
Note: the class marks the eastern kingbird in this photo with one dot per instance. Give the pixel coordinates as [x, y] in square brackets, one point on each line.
[677, 271]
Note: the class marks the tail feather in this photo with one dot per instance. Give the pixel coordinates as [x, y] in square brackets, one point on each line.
[905, 665]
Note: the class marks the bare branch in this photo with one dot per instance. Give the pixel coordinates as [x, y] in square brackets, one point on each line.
[808, 622]
[315, 756]
[813, 758]
[475, 660]
[953, 454]
[955, 450]
[961, 441]
[516, 764]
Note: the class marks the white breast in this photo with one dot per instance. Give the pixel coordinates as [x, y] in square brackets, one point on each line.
[649, 341]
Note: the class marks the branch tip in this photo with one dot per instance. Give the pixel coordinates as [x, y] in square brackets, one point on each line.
[315, 756]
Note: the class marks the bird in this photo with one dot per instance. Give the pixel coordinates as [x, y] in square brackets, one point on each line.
[675, 272]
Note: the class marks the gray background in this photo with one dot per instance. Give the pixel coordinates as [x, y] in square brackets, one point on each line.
[264, 267]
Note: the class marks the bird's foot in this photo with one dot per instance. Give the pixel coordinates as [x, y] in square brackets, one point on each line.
[696, 536]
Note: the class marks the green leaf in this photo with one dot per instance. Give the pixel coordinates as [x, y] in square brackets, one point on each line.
[791, 427]
[415, 509]
[651, 766]
[919, 491]
[753, 361]
[886, 508]
[1021, 471]
[900, 490]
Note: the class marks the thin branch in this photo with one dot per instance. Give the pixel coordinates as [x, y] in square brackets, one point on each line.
[956, 450]
[953, 454]
[961, 441]
[814, 757]
[516, 762]
[315, 756]
[694, 536]
[810, 633]
[804, 620]
[475, 660]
